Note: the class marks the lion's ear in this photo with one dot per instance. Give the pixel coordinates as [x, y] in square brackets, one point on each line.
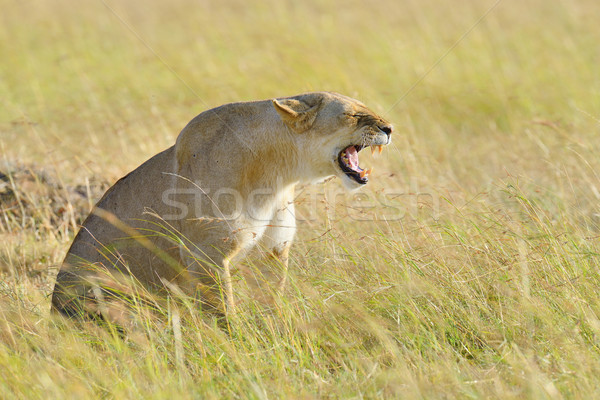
[296, 114]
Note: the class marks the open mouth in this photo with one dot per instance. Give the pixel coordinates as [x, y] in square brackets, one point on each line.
[348, 161]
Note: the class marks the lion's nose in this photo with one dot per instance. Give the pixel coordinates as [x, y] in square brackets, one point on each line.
[387, 129]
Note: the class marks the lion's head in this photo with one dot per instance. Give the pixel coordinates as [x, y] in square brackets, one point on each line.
[331, 129]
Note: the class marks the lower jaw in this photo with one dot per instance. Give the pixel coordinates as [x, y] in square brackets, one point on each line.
[358, 181]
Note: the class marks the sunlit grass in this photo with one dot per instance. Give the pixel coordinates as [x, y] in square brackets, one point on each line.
[470, 269]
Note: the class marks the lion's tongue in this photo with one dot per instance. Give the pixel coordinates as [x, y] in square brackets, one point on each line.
[352, 158]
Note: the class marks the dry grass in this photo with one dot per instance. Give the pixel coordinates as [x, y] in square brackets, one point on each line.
[487, 287]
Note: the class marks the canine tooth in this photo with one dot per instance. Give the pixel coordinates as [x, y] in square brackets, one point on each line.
[380, 148]
[368, 171]
[363, 173]
[372, 150]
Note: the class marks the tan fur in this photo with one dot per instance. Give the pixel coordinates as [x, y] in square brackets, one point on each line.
[185, 214]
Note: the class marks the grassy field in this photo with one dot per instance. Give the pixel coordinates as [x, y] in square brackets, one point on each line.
[468, 268]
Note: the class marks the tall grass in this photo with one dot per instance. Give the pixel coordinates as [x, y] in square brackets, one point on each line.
[487, 286]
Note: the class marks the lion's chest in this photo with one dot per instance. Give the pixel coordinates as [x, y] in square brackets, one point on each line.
[260, 215]
[256, 221]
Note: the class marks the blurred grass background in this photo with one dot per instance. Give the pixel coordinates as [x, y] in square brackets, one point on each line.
[488, 287]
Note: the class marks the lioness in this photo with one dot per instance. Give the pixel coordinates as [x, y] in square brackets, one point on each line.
[185, 214]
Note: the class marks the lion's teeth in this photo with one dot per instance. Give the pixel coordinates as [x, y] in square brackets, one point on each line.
[368, 171]
[363, 173]
[378, 148]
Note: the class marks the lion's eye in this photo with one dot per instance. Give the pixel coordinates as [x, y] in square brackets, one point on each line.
[358, 118]
[352, 119]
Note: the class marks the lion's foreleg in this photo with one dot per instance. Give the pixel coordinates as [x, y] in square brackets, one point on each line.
[283, 258]
[278, 239]
[209, 277]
